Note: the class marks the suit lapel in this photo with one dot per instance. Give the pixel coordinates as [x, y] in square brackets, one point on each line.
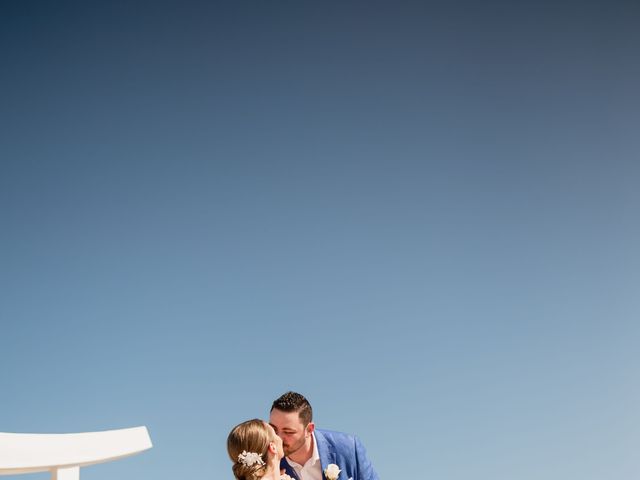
[327, 454]
[325, 451]
[288, 469]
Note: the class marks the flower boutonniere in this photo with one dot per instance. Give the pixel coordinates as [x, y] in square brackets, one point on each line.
[284, 476]
[332, 471]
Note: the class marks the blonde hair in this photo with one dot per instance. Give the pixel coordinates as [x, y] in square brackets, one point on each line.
[250, 436]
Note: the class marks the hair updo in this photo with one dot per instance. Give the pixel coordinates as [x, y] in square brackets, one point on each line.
[250, 436]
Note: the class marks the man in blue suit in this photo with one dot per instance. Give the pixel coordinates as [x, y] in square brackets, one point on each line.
[309, 450]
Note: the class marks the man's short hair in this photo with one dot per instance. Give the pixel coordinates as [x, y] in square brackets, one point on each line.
[294, 402]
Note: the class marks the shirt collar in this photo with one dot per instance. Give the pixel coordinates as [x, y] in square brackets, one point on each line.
[315, 457]
[316, 454]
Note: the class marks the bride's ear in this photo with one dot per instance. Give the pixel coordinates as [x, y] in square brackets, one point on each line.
[272, 448]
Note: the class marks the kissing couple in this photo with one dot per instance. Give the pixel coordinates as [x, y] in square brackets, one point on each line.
[289, 447]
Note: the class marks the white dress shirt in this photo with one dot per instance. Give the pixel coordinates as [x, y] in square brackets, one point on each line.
[312, 469]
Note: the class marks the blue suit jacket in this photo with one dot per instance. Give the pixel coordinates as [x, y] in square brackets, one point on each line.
[344, 450]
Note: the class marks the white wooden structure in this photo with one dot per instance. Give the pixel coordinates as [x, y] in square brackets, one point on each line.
[63, 454]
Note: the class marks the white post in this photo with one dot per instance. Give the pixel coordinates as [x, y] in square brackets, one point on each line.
[69, 473]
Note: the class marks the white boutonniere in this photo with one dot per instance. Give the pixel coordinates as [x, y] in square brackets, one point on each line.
[332, 471]
[284, 476]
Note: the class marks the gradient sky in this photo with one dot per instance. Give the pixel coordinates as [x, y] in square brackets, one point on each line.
[423, 216]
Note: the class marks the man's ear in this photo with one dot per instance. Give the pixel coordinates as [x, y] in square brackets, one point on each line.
[311, 427]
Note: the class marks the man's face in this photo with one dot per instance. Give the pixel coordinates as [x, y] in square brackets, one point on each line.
[290, 429]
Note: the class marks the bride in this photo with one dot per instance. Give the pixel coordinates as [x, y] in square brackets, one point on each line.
[255, 450]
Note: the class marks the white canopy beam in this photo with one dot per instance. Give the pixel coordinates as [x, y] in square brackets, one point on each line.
[63, 454]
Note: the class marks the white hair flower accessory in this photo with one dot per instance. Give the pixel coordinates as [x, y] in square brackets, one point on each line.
[250, 458]
[332, 471]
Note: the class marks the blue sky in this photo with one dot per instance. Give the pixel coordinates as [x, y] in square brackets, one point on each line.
[422, 216]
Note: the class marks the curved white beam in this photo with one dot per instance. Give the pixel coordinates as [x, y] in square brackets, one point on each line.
[63, 453]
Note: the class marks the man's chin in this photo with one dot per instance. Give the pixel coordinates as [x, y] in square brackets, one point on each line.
[289, 450]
